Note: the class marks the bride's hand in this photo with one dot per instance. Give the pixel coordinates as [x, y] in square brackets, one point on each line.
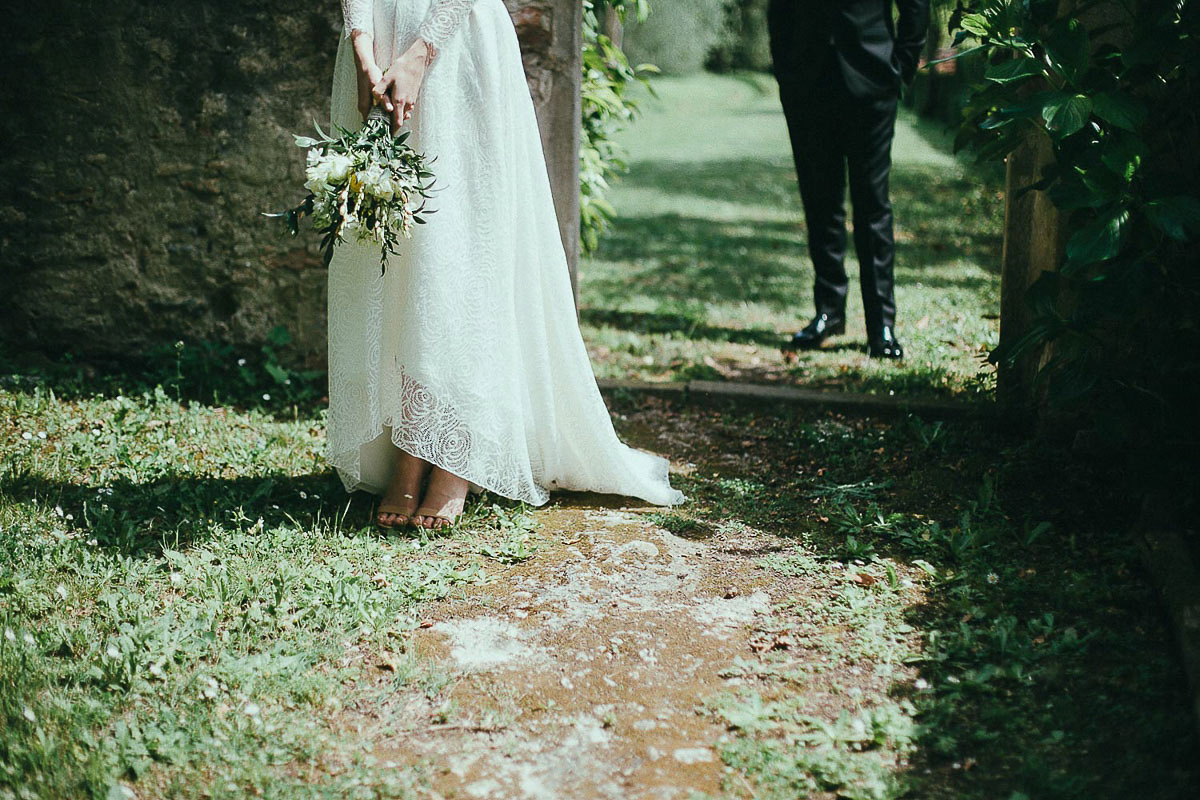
[398, 89]
[367, 70]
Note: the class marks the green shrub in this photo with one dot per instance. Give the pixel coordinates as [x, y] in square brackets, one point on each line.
[677, 36]
[744, 43]
[606, 109]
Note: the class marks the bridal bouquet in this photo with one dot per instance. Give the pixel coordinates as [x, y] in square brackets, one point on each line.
[367, 185]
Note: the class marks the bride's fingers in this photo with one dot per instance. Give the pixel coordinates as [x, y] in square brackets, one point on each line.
[381, 94]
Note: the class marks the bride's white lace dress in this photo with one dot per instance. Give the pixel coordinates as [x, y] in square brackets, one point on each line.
[466, 351]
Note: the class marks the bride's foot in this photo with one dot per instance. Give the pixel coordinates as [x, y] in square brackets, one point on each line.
[397, 507]
[443, 502]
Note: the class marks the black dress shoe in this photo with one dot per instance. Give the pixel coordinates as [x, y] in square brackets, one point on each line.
[885, 345]
[816, 332]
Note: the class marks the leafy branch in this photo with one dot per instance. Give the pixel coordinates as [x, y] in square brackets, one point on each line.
[607, 109]
[1104, 85]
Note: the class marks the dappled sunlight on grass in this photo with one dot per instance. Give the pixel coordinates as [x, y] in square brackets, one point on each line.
[954, 615]
[706, 271]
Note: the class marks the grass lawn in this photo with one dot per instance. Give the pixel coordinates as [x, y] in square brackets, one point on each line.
[192, 608]
[706, 270]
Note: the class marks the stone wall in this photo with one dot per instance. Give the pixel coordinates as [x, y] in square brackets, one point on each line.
[141, 140]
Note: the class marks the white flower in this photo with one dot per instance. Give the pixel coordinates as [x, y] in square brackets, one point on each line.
[266, 396]
[27, 436]
[41, 434]
[8, 634]
[29, 715]
[58, 512]
[304, 495]
[339, 166]
[28, 639]
[94, 542]
[377, 182]
[251, 709]
[241, 362]
[112, 652]
[993, 577]
[324, 170]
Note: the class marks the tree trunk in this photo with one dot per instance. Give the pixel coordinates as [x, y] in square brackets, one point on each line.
[551, 35]
[1033, 243]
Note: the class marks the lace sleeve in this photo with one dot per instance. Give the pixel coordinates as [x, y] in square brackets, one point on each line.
[443, 20]
[357, 16]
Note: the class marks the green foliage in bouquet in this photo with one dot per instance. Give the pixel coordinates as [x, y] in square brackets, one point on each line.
[365, 185]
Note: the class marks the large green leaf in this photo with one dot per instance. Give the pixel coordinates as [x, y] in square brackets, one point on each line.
[1016, 70]
[1071, 193]
[1119, 109]
[1028, 106]
[1177, 216]
[1097, 241]
[1070, 48]
[1122, 153]
[1067, 113]
[1102, 182]
[976, 24]
[1005, 142]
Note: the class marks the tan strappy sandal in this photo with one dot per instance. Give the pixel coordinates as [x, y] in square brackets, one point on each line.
[443, 517]
[404, 514]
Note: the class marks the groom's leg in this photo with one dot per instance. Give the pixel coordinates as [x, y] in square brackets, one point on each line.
[870, 162]
[813, 126]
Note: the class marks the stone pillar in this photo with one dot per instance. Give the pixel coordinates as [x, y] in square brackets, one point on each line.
[551, 34]
[141, 146]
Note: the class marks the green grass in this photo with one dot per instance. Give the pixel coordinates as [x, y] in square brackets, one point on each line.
[957, 616]
[191, 607]
[706, 270]
[189, 603]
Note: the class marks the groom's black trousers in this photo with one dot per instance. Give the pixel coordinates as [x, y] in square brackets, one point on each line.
[834, 133]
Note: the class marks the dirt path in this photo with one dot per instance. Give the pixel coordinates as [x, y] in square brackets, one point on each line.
[579, 673]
